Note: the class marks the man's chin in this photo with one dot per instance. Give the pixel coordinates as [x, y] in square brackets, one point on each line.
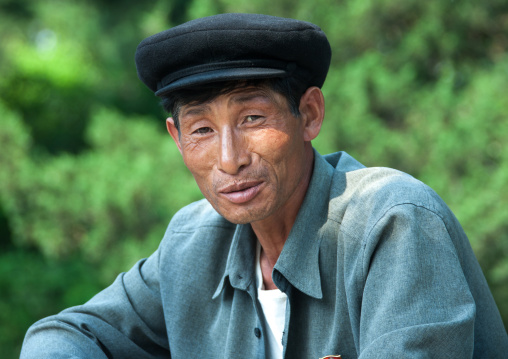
[236, 221]
[239, 219]
[242, 216]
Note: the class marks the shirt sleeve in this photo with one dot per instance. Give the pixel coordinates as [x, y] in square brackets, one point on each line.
[416, 299]
[123, 321]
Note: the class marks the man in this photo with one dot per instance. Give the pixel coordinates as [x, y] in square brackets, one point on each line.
[292, 254]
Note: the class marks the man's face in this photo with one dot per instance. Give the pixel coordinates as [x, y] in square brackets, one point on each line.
[247, 152]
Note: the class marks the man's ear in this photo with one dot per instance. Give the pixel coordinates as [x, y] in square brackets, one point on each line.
[173, 131]
[312, 111]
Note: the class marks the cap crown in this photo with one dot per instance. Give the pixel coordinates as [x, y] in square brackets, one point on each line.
[233, 46]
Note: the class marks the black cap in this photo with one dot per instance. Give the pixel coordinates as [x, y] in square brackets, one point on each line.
[233, 47]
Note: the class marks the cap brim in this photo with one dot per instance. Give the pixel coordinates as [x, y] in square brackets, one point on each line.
[248, 73]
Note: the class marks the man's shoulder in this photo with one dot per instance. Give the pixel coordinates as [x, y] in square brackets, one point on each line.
[196, 229]
[388, 186]
[372, 191]
[198, 215]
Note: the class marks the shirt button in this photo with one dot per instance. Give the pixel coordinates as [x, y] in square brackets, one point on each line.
[257, 332]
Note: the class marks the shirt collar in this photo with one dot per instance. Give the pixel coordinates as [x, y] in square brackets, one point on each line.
[298, 262]
[240, 265]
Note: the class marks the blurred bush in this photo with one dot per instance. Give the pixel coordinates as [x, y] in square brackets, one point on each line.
[89, 178]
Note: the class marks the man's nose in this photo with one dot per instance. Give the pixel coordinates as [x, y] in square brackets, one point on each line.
[234, 153]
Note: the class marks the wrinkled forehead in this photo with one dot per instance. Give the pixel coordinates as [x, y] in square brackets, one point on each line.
[260, 94]
[208, 93]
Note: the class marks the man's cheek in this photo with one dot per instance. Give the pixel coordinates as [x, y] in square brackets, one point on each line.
[270, 142]
[198, 162]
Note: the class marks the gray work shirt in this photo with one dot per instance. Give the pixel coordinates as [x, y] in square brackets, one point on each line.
[375, 266]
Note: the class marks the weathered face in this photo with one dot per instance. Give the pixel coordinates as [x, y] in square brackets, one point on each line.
[247, 152]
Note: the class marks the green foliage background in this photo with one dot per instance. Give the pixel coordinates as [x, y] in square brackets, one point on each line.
[89, 178]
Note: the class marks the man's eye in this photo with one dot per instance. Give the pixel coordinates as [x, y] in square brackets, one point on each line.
[252, 118]
[203, 130]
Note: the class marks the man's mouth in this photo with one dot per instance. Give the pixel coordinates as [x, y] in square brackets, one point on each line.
[241, 192]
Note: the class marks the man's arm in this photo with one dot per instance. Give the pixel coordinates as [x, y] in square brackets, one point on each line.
[125, 320]
[421, 294]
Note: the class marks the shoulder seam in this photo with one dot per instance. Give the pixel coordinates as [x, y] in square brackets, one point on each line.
[431, 210]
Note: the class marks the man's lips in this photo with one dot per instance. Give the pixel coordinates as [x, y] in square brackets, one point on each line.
[241, 192]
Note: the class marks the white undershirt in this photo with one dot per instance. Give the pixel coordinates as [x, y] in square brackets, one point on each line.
[273, 304]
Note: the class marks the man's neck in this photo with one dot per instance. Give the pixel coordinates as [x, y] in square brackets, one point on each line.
[272, 239]
[272, 232]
